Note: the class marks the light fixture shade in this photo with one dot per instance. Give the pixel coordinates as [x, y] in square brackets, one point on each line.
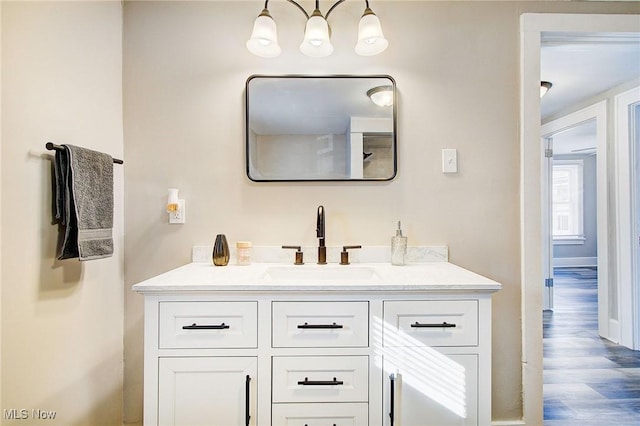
[544, 87]
[371, 40]
[316, 43]
[264, 38]
[381, 95]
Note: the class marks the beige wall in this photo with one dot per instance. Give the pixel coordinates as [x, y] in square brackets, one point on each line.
[0, 205]
[456, 67]
[185, 68]
[62, 322]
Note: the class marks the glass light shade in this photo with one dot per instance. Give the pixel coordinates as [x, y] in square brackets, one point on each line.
[381, 95]
[316, 41]
[371, 40]
[264, 38]
[544, 87]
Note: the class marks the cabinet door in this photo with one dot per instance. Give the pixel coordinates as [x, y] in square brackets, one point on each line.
[213, 391]
[423, 387]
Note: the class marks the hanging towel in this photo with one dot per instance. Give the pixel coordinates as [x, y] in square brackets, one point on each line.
[84, 202]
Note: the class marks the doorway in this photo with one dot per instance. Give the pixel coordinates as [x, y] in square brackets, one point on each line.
[532, 27]
[576, 233]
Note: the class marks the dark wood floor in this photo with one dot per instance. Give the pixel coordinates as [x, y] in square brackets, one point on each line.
[588, 381]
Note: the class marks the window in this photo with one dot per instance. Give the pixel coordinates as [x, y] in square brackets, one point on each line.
[567, 202]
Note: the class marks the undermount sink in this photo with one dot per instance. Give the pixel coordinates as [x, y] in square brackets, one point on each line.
[338, 273]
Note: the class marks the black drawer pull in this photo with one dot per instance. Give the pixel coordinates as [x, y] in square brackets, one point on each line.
[247, 407]
[306, 325]
[392, 402]
[307, 382]
[195, 326]
[443, 325]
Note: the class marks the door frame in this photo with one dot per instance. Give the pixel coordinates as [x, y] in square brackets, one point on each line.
[597, 111]
[532, 25]
[626, 228]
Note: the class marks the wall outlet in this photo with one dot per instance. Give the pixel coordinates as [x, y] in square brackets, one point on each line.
[179, 216]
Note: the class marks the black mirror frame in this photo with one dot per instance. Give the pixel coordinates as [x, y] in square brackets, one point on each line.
[329, 76]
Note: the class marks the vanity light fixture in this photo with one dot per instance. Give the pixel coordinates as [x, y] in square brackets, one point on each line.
[317, 34]
[544, 87]
[381, 95]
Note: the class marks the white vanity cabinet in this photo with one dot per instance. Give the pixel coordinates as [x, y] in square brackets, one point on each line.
[267, 353]
[431, 352]
[205, 355]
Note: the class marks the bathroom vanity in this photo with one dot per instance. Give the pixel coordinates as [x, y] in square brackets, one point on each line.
[277, 344]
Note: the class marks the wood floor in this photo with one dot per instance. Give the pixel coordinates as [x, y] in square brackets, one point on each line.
[588, 381]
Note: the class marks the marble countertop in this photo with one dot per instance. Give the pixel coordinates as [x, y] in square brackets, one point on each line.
[276, 277]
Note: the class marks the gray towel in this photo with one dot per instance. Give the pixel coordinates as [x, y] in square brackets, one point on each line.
[84, 202]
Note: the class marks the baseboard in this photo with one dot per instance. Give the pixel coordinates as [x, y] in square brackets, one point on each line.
[565, 262]
[518, 422]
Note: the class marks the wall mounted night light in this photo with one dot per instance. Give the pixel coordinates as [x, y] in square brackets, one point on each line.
[381, 95]
[317, 34]
[544, 87]
[175, 207]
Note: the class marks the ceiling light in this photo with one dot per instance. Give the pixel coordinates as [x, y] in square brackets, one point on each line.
[317, 35]
[544, 87]
[381, 95]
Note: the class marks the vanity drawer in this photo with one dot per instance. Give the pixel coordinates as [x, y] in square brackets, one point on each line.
[208, 325]
[320, 379]
[431, 323]
[341, 414]
[320, 324]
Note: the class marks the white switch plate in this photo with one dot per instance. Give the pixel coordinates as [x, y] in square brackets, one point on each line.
[449, 161]
[178, 217]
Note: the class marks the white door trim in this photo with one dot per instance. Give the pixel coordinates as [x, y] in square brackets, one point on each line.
[531, 27]
[599, 112]
[626, 231]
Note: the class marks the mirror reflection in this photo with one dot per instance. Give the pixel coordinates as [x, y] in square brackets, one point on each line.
[310, 128]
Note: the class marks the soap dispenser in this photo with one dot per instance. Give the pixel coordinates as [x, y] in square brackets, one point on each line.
[398, 247]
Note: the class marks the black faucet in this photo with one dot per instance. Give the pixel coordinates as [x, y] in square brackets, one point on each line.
[322, 250]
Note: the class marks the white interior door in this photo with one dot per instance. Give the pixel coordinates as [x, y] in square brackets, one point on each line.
[628, 221]
[636, 246]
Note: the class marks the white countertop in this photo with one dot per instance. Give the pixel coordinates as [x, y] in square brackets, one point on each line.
[276, 277]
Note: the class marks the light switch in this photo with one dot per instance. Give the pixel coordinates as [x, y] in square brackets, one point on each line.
[449, 161]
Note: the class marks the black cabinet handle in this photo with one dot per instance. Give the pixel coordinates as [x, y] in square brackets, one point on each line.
[195, 326]
[307, 382]
[392, 402]
[247, 388]
[306, 325]
[443, 325]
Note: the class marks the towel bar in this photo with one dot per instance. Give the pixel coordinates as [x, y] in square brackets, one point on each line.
[51, 146]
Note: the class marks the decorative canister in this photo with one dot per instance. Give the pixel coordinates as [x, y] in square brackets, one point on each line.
[220, 251]
[243, 249]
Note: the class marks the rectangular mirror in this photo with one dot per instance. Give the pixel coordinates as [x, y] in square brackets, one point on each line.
[320, 128]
